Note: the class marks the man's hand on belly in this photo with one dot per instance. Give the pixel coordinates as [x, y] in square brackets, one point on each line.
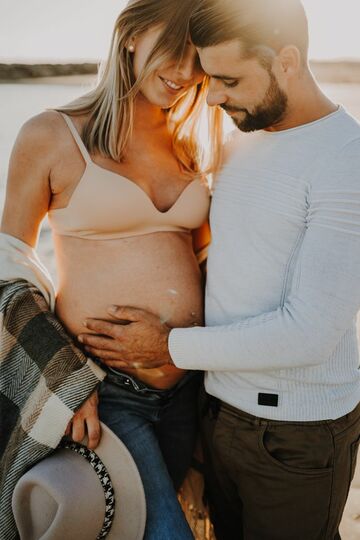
[136, 339]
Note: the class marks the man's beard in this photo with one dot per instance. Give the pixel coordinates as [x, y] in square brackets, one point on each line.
[265, 115]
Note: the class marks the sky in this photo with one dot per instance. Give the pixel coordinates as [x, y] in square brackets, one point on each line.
[40, 30]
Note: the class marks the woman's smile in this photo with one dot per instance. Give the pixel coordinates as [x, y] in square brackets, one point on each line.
[171, 86]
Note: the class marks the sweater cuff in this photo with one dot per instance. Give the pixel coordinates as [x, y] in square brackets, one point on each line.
[184, 347]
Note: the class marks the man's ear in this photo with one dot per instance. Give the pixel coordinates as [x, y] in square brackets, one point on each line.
[290, 60]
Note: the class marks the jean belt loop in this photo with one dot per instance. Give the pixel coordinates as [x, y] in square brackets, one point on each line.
[260, 422]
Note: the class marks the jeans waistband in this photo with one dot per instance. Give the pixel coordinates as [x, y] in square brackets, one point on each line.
[134, 385]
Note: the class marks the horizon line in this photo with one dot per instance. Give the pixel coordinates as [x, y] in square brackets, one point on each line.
[77, 60]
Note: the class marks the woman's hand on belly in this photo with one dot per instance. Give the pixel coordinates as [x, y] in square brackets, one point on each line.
[140, 343]
[86, 422]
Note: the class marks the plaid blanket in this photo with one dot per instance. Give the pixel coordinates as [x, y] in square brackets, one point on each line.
[44, 378]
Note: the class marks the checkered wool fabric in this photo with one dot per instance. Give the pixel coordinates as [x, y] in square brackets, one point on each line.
[44, 378]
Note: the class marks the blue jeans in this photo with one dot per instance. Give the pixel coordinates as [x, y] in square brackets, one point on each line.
[159, 429]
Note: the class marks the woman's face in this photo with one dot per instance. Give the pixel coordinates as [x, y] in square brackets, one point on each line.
[170, 81]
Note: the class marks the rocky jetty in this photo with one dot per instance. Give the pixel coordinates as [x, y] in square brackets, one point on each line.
[342, 71]
[13, 72]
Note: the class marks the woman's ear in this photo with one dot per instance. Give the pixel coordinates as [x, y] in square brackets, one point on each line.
[131, 45]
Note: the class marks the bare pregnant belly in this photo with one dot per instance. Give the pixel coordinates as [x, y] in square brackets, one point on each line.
[157, 272]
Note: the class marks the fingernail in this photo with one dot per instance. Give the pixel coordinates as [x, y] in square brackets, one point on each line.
[85, 324]
[113, 309]
[81, 339]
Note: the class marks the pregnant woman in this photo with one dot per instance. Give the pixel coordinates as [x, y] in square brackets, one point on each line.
[120, 174]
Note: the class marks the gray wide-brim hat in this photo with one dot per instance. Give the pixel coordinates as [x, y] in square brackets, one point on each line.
[70, 495]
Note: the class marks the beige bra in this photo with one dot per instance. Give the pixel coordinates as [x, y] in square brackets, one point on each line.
[106, 205]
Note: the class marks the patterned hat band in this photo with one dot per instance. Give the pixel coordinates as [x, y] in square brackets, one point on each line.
[104, 478]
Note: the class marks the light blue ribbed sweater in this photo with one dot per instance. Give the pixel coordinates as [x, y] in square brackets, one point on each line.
[283, 287]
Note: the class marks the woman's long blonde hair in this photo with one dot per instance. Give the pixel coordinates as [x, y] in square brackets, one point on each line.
[110, 105]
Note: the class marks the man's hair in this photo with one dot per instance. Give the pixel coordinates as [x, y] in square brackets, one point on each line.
[258, 24]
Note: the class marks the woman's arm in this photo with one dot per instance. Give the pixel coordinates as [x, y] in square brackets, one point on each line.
[28, 192]
[34, 157]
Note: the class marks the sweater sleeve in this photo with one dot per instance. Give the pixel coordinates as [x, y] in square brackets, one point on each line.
[323, 297]
[18, 260]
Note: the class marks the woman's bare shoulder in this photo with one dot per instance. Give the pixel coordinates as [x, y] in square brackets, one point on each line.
[37, 147]
[41, 140]
[43, 129]
[30, 166]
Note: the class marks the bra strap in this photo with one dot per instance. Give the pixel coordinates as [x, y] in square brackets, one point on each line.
[85, 154]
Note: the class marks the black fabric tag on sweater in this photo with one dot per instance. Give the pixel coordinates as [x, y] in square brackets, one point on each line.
[270, 400]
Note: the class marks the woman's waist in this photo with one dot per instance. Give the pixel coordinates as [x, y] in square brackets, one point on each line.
[149, 387]
[163, 379]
